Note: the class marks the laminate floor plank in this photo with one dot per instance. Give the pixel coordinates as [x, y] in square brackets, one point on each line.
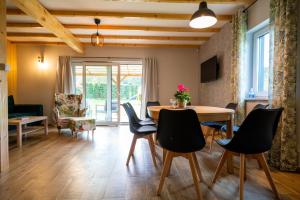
[86, 168]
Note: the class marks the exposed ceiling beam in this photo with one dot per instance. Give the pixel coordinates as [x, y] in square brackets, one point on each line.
[136, 37]
[77, 13]
[116, 27]
[34, 9]
[245, 2]
[114, 44]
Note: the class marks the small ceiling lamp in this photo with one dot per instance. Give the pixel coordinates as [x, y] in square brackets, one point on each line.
[97, 39]
[203, 17]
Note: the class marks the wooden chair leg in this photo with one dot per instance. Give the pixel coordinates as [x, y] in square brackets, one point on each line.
[164, 155]
[212, 139]
[242, 171]
[167, 163]
[261, 159]
[152, 149]
[133, 142]
[195, 176]
[197, 167]
[245, 169]
[220, 165]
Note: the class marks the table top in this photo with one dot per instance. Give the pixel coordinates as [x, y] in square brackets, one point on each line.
[26, 120]
[198, 109]
[205, 113]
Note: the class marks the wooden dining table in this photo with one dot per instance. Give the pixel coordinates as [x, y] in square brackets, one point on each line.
[205, 114]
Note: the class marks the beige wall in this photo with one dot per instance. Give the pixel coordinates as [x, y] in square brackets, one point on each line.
[217, 93]
[258, 12]
[176, 65]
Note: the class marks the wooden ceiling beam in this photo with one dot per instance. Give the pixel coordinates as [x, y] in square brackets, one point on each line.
[114, 44]
[77, 13]
[34, 9]
[117, 27]
[135, 37]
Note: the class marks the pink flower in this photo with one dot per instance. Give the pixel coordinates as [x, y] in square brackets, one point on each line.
[180, 87]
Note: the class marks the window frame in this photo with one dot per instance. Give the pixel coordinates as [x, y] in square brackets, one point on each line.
[255, 66]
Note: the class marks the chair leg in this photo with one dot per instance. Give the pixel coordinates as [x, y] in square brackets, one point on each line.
[261, 159]
[220, 165]
[242, 171]
[212, 139]
[152, 148]
[197, 167]
[245, 169]
[167, 163]
[131, 148]
[195, 176]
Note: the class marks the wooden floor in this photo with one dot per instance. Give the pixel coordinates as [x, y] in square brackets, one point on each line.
[62, 167]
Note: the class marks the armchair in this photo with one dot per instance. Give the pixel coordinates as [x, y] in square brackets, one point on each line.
[70, 115]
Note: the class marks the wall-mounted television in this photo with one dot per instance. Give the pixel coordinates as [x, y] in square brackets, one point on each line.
[209, 70]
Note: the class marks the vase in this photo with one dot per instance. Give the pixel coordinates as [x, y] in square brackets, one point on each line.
[181, 104]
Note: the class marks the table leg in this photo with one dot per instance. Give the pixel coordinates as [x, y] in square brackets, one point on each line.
[19, 135]
[46, 126]
[229, 135]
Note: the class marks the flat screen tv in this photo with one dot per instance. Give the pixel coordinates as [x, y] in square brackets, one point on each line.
[209, 70]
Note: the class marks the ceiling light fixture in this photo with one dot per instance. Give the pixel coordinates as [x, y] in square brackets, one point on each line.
[203, 17]
[97, 39]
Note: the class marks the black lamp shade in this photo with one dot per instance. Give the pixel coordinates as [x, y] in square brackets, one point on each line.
[203, 17]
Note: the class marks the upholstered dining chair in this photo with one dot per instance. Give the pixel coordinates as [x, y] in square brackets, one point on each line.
[150, 103]
[139, 131]
[252, 139]
[147, 121]
[215, 127]
[179, 134]
[236, 127]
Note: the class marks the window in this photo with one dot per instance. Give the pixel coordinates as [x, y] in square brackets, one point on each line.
[261, 47]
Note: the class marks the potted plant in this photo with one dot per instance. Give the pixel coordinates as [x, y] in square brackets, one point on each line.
[182, 95]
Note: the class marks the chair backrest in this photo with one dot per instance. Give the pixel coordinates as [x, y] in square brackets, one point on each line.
[232, 106]
[133, 123]
[68, 105]
[256, 132]
[150, 103]
[179, 131]
[262, 106]
[130, 107]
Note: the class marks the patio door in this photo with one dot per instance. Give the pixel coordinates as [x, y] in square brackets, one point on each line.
[99, 84]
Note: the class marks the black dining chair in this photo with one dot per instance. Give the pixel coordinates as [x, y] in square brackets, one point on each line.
[235, 128]
[150, 103]
[252, 139]
[179, 134]
[215, 127]
[137, 119]
[139, 131]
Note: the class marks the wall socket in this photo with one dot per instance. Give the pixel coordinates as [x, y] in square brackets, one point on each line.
[4, 67]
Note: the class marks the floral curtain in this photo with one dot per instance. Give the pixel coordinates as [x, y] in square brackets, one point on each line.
[282, 91]
[238, 63]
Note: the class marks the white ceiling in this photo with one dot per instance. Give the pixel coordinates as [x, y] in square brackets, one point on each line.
[121, 6]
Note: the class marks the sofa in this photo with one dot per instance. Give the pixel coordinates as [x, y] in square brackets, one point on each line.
[23, 110]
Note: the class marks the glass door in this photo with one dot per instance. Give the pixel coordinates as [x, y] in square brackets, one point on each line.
[98, 82]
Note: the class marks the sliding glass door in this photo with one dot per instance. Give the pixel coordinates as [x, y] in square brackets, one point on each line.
[98, 82]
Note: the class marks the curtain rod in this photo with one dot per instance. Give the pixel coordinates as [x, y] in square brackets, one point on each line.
[250, 5]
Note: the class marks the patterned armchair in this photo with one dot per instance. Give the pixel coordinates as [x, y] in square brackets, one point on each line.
[69, 115]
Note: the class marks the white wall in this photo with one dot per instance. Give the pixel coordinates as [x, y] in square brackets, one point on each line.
[176, 65]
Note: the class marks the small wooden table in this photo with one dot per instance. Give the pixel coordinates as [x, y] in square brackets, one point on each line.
[18, 122]
[205, 113]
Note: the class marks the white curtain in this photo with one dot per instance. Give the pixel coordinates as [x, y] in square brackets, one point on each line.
[64, 76]
[149, 83]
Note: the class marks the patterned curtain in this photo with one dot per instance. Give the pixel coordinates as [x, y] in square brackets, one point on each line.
[282, 91]
[238, 63]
